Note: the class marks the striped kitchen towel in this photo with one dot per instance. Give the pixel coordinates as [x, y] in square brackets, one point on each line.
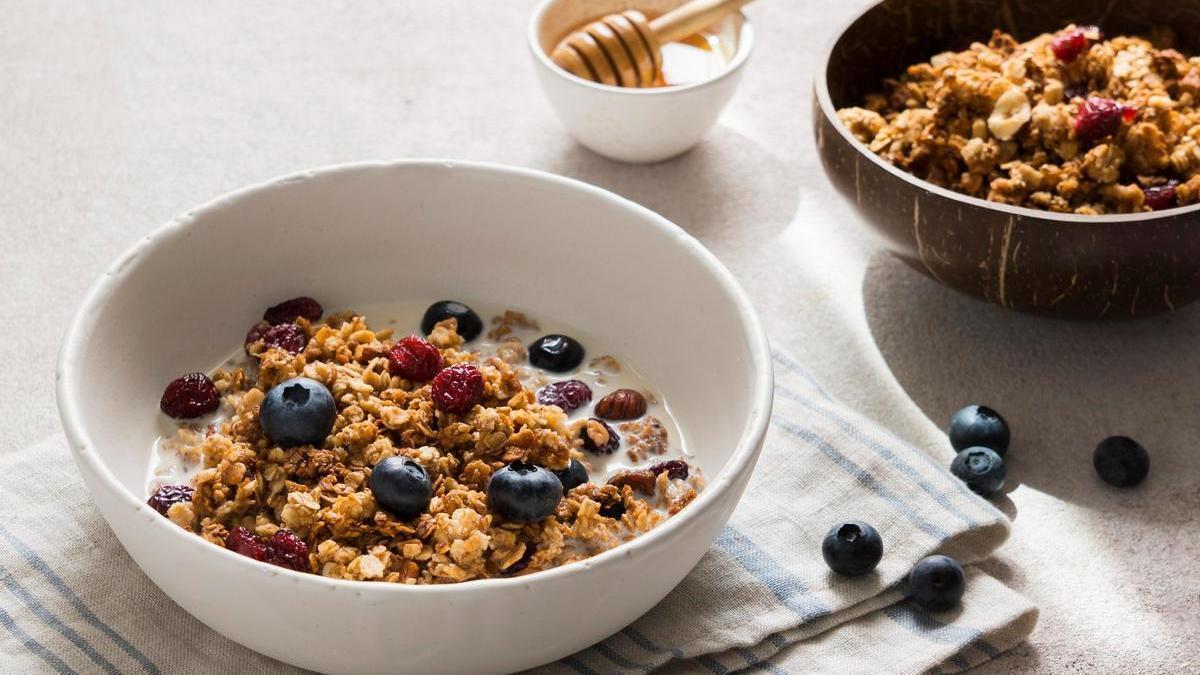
[761, 599]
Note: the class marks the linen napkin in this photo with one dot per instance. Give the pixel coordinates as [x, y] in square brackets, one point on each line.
[762, 599]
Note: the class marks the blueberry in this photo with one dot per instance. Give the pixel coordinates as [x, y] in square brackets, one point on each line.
[572, 476]
[525, 493]
[401, 486]
[936, 583]
[979, 426]
[852, 548]
[296, 412]
[556, 353]
[1121, 461]
[469, 323]
[981, 469]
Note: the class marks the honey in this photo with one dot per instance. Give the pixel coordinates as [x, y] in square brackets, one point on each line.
[694, 59]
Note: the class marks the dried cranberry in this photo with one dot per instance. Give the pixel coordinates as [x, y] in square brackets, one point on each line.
[290, 310]
[567, 394]
[1161, 197]
[168, 495]
[244, 542]
[286, 336]
[1100, 117]
[190, 396]
[457, 388]
[1069, 45]
[285, 549]
[675, 468]
[415, 359]
[593, 437]
[256, 333]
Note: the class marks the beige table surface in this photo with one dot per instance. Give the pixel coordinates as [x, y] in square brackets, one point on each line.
[115, 116]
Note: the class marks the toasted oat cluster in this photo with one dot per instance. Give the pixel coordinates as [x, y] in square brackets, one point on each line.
[1069, 122]
[310, 506]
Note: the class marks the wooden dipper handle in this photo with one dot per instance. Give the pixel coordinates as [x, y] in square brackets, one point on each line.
[693, 17]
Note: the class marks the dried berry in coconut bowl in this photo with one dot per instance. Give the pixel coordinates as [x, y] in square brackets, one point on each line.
[372, 454]
[139, 329]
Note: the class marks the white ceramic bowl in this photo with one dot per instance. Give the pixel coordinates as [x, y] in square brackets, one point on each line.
[628, 124]
[183, 297]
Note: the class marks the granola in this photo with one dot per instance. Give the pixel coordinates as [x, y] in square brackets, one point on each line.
[1068, 122]
[245, 488]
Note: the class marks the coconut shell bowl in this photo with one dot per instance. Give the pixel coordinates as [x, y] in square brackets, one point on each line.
[1067, 265]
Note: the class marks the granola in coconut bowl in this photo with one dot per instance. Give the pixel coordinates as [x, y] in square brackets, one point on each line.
[333, 448]
[1072, 122]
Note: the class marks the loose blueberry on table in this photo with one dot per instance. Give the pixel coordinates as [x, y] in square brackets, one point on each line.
[979, 426]
[852, 548]
[335, 439]
[982, 469]
[936, 583]
[1121, 461]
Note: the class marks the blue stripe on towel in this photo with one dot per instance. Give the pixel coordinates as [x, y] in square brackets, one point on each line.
[77, 603]
[712, 664]
[787, 362]
[832, 415]
[578, 666]
[750, 657]
[635, 636]
[767, 666]
[864, 477]
[612, 655]
[791, 591]
[890, 457]
[920, 622]
[33, 645]
[51, 619]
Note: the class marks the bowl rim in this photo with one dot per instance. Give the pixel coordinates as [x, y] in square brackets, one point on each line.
[741, 460]
[821, 85]
[745, 47]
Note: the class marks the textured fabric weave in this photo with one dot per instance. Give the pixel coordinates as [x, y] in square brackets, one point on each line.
[761, 599]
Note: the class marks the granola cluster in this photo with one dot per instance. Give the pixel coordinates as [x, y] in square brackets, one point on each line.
[1025, 123]
[322, 494]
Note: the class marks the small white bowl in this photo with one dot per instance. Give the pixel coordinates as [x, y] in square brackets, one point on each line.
[182, 300]
[629, 124]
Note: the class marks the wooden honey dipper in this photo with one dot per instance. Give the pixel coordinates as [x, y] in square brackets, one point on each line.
[625, 50]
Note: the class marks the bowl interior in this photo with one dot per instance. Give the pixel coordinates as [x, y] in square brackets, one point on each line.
[558, 18]
[419, 231]
[895, 33]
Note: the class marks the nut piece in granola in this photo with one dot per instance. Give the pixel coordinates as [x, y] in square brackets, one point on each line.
[622, 404]
[1010, 114]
